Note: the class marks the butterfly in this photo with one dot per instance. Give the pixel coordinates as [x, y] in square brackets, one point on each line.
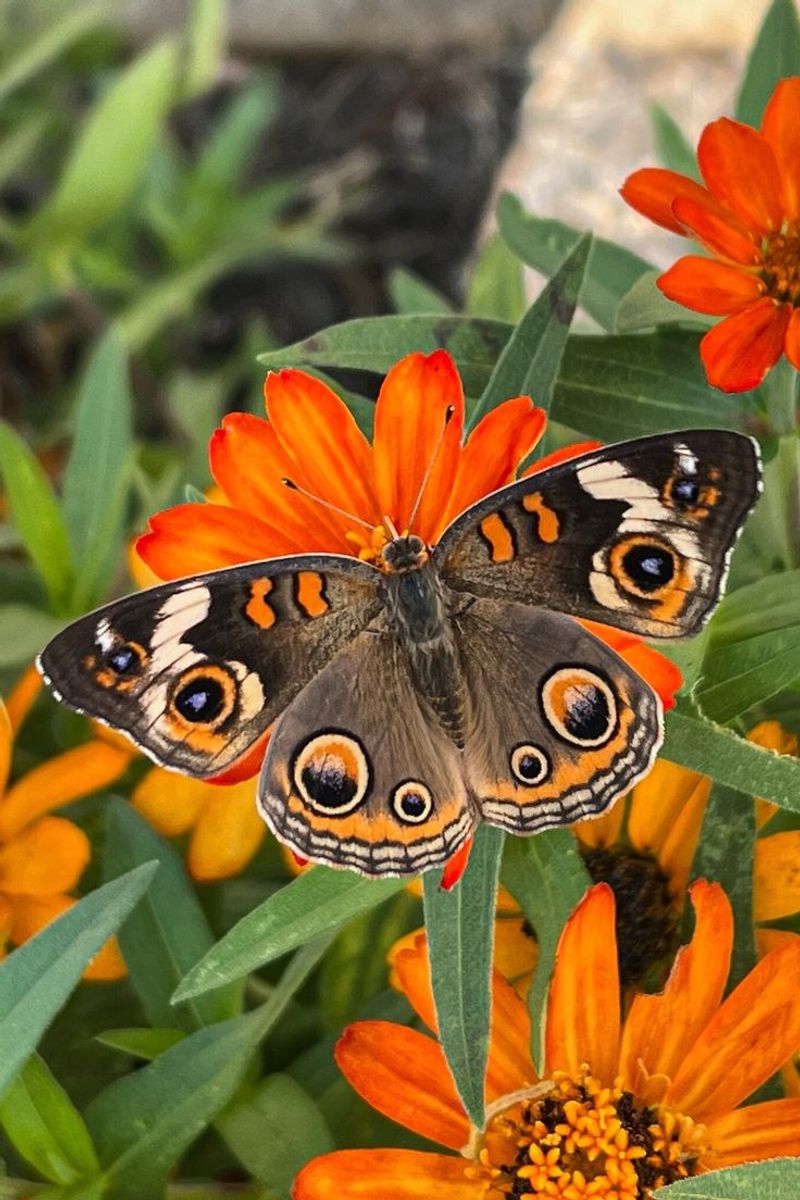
[404, 703]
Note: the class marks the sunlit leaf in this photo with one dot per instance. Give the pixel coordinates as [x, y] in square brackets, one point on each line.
[45, 1127]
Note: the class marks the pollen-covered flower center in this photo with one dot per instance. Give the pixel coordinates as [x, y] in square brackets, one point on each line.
[647, 920]
[585, 1140]
[781, 267]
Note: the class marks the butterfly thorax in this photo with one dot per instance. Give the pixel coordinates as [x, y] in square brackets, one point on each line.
[417, 611]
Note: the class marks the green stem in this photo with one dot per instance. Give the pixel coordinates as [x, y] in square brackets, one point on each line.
[782, 398]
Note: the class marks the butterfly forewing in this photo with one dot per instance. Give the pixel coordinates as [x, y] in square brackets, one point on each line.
[637, 535]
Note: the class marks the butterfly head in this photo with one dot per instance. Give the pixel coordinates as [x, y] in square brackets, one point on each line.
[404, 553]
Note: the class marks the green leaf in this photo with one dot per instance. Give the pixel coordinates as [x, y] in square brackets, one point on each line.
[775, 55]
[740, 674]
[772, 602]
[376, 343]
[319, 901]
[233, 141]
[109, 156]
[712, 750]
[23, 633]
[529, 362]
[45, 1127]
[206, 46]
[31, 58]
[38, 977]
[460, 929]
[273, 1130]
[614, 388]
[645, 307]
[410, 294]
[497, 286]
[171, 297]
[725, 855]
[672, 146]
[778, 1179]
[98, 465]
[19, 144]
[141, 1043]
[143, 1122]
[543, 243]
[36, 515]
[354, 970]
[546, 876]
[168, 933]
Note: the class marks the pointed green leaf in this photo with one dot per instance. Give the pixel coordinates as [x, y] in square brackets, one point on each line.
[645, 307]
[497, 286]
[546, 876]
[139, 1042]
[738, 675]
[168, 933]
[672, 145]
[94, 491]
[38, 977]
[775, 1180]
[530, 360]
[543, 243]
[460, 928]
[45, 1127]
[206, 45]
[23, 632]
[36, 515]
[775, 55]
[317, 902]
[713, 750]
[772, 602]
[72, 24]
[274, 1130]
[411, 294]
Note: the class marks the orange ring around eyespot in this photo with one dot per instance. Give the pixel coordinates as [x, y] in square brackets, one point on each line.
[208, 670]
[332, 752]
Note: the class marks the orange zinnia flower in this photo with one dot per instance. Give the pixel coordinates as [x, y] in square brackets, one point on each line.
[748, 218]
[42, 857]
[311, 437]
[623, 1108]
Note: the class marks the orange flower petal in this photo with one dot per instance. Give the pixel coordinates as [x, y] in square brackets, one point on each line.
[738, 353]
[23, 696]
[54, 783]
[409, 420]
[414, 980]
[666, 815]
[33, 913]
[709, 287]
[170, 802]
[583, 1007]
[656, 669]
[384, 1174]
[776, 876]
[759, 1131]
[227, 834]
[659, 1029]
[403, 1074]
[6, 745]
[142, 575]
[601, 831]
[327, 452]
[652, 191]
[740, 170]
[792, 341]
[248, 462]
[515, 952]
[49, 857]
[574, 450]
[750, 1037]
[191, 538]
[494, 451]
[781, 128]
[716, 229]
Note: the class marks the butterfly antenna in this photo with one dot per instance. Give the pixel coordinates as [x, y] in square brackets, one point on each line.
[431, 464]
[295, 487]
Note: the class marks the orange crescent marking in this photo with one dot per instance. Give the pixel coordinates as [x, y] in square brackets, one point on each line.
[257, 610]
[547, 520]
[497, 534]
[310, 587]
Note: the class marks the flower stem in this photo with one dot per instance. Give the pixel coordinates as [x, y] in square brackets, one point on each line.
[782, 398]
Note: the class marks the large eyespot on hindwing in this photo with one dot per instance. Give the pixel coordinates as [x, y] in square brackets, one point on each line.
[203, 697]
[580, 706]
[332, 773]
[529, 764]
[412, 802]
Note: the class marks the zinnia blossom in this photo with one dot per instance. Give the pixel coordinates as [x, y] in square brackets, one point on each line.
[42, 857]
[623, 1107]
[748, 217]
[310, 437]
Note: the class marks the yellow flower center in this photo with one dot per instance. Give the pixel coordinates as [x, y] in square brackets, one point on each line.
[368, 545]
[584, 1140]
[781, 267]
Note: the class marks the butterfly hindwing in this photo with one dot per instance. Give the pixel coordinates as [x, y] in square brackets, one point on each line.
[359, 773]
[637, 535]
[196, 671]
[560, 726]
